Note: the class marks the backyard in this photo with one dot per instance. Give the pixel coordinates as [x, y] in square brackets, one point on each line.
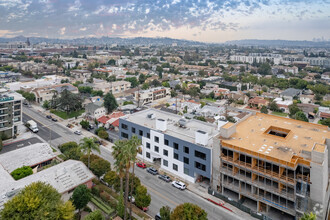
[64, 115]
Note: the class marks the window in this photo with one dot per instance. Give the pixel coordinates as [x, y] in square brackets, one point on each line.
[148, 145]
[124, 126]
[133, 130]
[176, 146]
[176, 156]
[186, 160]
[200, 155]
[186, 171]
[124, 135]
[175, 167]
[165, 163]
[165, 152]
[157, 149]
[200, 166]
[166, 142]
[186, 150]
[140, 133]
[156, 139]
[148, 135]
[148, 155]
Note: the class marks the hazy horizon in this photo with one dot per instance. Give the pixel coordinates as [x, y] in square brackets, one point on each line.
[208, 21]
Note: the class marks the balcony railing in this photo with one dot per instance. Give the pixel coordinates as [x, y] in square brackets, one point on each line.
[269, 173]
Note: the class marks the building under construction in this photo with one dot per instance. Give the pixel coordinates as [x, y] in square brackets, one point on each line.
[279, 165]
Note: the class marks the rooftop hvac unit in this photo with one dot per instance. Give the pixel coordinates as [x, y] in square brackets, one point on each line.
[151, 116]
[182, 123]
[161, 124]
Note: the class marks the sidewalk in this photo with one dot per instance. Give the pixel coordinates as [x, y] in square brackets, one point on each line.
[203, 193]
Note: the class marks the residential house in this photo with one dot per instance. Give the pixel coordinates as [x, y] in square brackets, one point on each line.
[291, 93]
[80, 75]
[283, 104]
[258, 102]
[306, 99]
[95, 110]
[110, 121]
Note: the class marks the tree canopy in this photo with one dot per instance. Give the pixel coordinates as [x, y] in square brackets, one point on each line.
[80, 197]
[38, 201]
[110, 102]
[188, 211]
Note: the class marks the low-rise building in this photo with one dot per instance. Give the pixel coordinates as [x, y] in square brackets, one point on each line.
[258, 102]
[64, 177]
[279, 165]
[11, 122]
[95, 110]
[178, 146]
[148, 96]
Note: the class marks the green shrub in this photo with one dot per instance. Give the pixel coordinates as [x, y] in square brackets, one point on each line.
[21, 172]
[103, 134]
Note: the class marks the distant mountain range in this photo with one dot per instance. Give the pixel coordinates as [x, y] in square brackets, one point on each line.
[279, 43]
[166, 41]
[106, 40]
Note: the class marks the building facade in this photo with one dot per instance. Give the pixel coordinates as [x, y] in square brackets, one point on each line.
[150, 95]
[280, 165]
[180, 147]
[10, 113]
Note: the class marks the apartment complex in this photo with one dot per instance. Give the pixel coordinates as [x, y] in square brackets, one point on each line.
[114, 87]
[10, 113]
[176, 145]
[280, 165]
[150, 95]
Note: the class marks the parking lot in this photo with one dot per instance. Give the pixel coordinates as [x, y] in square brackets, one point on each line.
[19, 144]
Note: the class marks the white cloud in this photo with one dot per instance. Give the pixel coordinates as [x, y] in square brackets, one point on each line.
[76, 6]
[175, 2]
[62, 30]
[9, 33]
[147, 10]
[114, 27]
[101, 27]
[83, 29]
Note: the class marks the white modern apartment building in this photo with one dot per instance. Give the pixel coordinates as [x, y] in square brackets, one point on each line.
[150, 95]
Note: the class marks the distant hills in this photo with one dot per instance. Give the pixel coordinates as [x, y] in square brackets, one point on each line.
[166, 41]
[278, 43]
[106, 40]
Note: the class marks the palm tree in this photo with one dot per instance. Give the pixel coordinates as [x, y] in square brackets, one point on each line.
[135, 142]
[119, 154]
[87, 145]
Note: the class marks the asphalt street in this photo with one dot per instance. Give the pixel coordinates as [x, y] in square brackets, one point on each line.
[161, 193]
[20, 144]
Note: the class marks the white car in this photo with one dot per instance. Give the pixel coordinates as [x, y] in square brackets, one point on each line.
[77, 132]
[179, 185]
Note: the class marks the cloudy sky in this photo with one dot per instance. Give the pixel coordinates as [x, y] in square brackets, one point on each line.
[201, 20]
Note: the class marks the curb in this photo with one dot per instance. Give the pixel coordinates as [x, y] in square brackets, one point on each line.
[5, 144]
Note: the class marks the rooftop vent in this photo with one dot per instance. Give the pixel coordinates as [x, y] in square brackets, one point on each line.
[151, 115]
[161, 124]
[201, 137]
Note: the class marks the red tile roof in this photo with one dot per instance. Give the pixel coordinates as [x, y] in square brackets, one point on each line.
[324, 115]
[106, 118]
[103, 119]
[116, 123]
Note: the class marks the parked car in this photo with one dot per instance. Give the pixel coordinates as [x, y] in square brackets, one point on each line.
[142, 165]
[165, 178]
[77, 132]
[144, 208]
[152, 170]
[97, 141]
[91, 127]
[157, 217]
[49, 117]
[54, 119]
[179, 185]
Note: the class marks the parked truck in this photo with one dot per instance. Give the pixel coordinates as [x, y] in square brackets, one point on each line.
[32, 125]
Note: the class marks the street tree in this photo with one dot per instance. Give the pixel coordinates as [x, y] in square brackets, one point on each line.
[110, 102]
[293, 109]
[188, 211]
[38, 201]
[165, 213]
[142, 198]
[273, 107]
[135, 142]
[87, 145]
[80, 197]
[310, 216]
[100, 166]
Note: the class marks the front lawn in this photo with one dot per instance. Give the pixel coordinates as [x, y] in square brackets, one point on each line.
[209, 100]
[280, 114]
[64, 115]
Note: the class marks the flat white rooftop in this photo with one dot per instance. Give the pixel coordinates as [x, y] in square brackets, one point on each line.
[63, 177]
[27, 156]
[186, 132]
